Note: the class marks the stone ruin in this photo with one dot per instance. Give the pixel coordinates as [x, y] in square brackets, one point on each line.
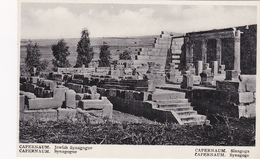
[198, 79]
[46, 100]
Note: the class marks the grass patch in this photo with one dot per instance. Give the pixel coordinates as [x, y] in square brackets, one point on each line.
[235, 132]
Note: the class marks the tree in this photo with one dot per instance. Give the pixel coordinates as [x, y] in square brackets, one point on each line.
[60, 52]
[126, 55]
[33, 57]
[104, 56]
[85, 52]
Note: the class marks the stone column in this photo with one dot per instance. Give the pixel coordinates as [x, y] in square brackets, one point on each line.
[214, 68]
[218, 50]
[237, 51]
[199, 67]
[204, 50]
[191, 53]
[187, 45]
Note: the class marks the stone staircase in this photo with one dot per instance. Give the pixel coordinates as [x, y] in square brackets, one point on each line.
[179, 106]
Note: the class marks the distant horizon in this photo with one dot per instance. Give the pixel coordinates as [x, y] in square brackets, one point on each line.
[133, 35]
[66, 20]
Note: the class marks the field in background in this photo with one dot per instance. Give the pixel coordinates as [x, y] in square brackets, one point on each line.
[117, 46]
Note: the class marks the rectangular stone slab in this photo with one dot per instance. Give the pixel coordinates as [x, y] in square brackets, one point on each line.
[22, 102]
[44, 103]
[242, 97]
[66, 115]
[39, 115]
[103, 104]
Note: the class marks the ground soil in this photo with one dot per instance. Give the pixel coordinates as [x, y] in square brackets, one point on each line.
[130, 129]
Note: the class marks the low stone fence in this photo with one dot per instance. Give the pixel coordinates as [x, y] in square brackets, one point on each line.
[231, 98]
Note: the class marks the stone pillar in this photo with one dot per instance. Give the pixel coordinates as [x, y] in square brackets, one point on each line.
[151, 85]
[70, 99]
[237, 51]
[191, 53]
[187, 44]
[214, 68]
[199, 67]
[204, 50]
[218, 51]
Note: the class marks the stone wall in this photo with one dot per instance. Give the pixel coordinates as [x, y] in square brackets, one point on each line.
[136, 103]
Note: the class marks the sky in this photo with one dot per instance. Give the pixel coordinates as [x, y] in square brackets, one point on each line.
[66, 20]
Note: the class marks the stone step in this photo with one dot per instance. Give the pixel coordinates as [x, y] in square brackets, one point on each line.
[185, 112]
[173, 105]
[207, 122]
[167, 95]
[177, 57]
[176, 61]
[188, 118]
[168, 101]
[193, 119]
[182, 108]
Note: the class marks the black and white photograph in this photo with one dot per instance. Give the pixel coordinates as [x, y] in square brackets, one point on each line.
[142, 75]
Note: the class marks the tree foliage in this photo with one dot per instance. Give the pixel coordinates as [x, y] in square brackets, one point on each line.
[33, 57]
[126, 55]
[84, 50]
[104, 55]
[60, 52]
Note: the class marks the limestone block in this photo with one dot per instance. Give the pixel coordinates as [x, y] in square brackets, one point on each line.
[151, 85]
[250, 82]
[39, 115]
[232, 75]
[103, 104]
[66, 115]
[59, 93]
[49, 84]
[91, 96]
[166, 95]
[70, 99]
[93, 89]
[247, 111]
[196, 79]
[242, 97]
[34, 80]
[232, 86]
[44, 103]
[29, 95]
[22, 102]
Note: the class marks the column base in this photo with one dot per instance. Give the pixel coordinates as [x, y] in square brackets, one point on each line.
[232, 75]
